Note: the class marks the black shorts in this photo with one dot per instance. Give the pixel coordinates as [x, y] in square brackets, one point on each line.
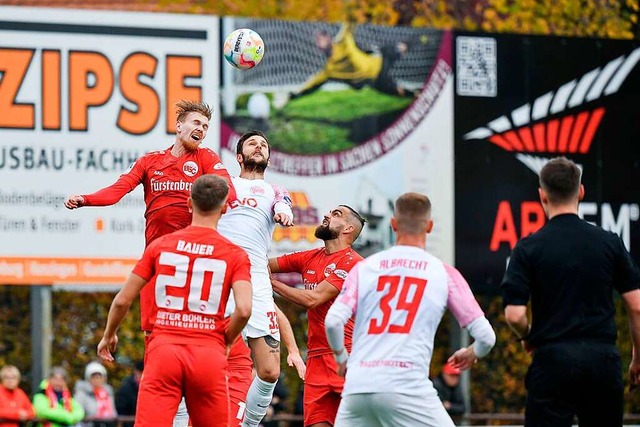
[569, 379]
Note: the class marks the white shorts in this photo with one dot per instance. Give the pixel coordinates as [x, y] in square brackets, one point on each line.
[391, 410]
[263, 320]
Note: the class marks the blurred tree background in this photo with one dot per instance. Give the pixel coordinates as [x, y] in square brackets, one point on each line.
[497, 381]
[589, 18]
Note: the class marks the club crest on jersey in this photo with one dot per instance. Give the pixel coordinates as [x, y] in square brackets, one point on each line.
[190, 168]
[329, 269]
[257, 190]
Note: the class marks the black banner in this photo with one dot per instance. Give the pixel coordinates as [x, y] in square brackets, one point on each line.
[521, 101]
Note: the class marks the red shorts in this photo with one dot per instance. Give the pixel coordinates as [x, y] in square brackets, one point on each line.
[322, 389]
[174, 370]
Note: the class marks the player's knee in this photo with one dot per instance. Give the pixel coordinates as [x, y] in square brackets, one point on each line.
[269, 374]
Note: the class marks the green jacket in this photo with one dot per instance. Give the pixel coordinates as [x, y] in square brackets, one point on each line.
[58, 416]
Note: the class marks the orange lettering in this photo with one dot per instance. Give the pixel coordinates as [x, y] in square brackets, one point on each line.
[532, 217]
[51, 91]
[145, 97]
[178, 69]
[14, 64]
[84, 93]
[504, 229]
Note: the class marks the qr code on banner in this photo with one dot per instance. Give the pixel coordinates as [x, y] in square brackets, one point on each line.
[477, 68]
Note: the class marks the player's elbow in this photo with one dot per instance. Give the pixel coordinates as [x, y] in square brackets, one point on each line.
[120, 302]
[312, 302]
[515, 314]
[489, 340]
[631, 301]
[243, 310]
[483, 334]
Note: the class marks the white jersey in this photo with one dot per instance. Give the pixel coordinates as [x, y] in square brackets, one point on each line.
[398, 297]
[249, 222]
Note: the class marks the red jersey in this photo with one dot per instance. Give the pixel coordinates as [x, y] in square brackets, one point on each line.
[316, 265]
[190, 273]
[167, 182]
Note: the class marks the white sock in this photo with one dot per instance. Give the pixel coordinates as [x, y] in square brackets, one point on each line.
[258, 400]
[182, 417]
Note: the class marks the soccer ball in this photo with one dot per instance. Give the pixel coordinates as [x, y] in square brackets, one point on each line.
[244, 48]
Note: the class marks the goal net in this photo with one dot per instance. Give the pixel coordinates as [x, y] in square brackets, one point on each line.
[291, 56]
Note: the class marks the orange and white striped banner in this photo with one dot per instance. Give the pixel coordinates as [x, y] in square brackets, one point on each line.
[48, 270]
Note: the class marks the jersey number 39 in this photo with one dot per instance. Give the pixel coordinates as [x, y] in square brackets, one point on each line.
[411, 291]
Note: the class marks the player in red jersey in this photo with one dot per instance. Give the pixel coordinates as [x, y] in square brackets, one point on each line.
[192, 272]
[167, 177]
[323, 272]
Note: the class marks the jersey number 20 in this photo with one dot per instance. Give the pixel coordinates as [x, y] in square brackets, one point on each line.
[405, 285]
[200, 299]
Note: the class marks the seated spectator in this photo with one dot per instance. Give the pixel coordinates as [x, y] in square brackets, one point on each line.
[448, 386]
[96, 396]
[14, 403]
[53, 401]
[127, 395]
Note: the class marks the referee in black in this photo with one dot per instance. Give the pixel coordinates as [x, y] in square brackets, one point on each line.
[569, 270]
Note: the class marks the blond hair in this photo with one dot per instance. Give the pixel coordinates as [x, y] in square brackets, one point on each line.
[412, 211]
[185, 107]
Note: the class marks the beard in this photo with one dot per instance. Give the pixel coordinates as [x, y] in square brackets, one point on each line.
[323, 232]
[252, 165]
[190, 146]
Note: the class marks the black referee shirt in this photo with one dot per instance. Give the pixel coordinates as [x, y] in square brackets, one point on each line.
[569, 269]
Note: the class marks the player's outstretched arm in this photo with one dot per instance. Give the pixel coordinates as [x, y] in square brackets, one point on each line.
[74, 202]
[112, 194]
[240, 316]
[119, 308]
[322, 293]
[109, 195]
[289, 340]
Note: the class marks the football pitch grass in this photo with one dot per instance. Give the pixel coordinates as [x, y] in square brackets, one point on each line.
[327, 121]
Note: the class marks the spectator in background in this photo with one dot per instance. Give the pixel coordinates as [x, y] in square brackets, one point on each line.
[14, 403]
[127, 395]
[53, 401]
[447, 384]
[96, 396]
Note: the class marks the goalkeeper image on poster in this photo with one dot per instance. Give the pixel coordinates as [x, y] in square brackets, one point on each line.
[325, 88]
[349, 64]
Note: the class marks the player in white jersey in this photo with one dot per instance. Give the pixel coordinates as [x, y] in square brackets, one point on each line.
[398, 297]
[249, 223]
